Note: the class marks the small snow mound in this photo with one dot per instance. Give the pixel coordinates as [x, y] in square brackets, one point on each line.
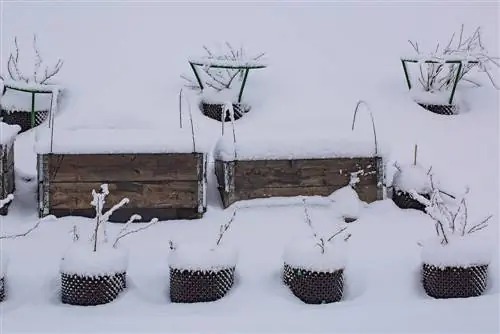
[470, 250]
[8, 133]
[412, 177]
[307, 255]
[195, 257]
[81, 260]
[346, 201]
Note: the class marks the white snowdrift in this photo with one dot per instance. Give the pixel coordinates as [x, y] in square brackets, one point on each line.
[306, 254]
[467, 251]
[346, 202]
[412, 177]
[81, 260]
[272, 146]
[8, 133]
[196, 257]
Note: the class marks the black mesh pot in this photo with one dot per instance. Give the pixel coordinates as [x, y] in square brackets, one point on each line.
[215, 110]
[4, 210]
[454, 282]
[446, 109]
[404, 200]
[23, 118]
[91, 290]
[313, 287]
[188, 286]
[2, 289]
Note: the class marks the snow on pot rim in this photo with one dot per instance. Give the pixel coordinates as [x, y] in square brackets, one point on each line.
[461, 252]
[196, 257]
[80, 259]
[412, 177]
[306, 254]
[212, 96]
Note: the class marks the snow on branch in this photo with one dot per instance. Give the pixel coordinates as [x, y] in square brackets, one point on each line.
[38, 76]
[469, 50]
[449, 223]
[223, 228]
[28, 231]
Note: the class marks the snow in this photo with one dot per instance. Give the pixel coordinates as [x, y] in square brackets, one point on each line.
[307, 255]
[4, 263]
[268, 146]
[462, 251]
[231, 63]
[31, 86]
[8, 133]
[82, 141]
[441, 58]
[437, 97]
[346, 202]
[412, 177]
[127, 75]
[210, 95]
[17, 101]
[80, 259]
[195, 257]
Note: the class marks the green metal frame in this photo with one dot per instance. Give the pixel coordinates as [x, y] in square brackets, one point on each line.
[33, 98]
[455, 83]
[247, 69]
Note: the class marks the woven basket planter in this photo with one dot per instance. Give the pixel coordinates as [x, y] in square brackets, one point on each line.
[215, 110]
[196, 286]
[404, 200]
[454, 282]
[446, 109]
[23, 118]
[2, 289]
[313, 287]
[91, 290]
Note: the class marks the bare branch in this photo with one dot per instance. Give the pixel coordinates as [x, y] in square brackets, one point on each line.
[336, 233]
[148, 225]
[31, 229]
[225, 227]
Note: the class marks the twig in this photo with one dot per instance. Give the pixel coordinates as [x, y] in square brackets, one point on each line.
[192, 126]
[180, 108]
[372, 119]
[336, 233]
[31, 229]
[415, 155]
[225, 227]
[151, 223]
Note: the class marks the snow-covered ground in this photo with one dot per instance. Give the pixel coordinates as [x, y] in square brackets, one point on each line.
[123, 65]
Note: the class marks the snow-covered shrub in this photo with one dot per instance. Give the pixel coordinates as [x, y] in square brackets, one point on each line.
[200, 273]
[39, 74]
[95, 272]
[439, 77]
[313, 268]
[455, 262]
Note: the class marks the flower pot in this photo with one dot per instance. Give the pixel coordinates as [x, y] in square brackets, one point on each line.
[454, 282]
[23, 118]
[85, 290]
[215, 110]
[197, 286]
[441, 109]
[314, 287]
[404, 200]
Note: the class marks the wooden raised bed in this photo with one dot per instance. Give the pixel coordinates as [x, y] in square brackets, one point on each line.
[163, 185]
[7, 173]
[250, 179]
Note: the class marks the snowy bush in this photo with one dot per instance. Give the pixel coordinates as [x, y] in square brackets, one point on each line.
[440, 77]
[40, 73]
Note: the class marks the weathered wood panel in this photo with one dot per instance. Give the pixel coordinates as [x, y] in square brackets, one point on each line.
[243, 180]
[122, 167]
[167, 186]
[7, 174]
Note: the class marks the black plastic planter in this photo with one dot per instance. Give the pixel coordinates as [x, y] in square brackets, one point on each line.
[91, 290]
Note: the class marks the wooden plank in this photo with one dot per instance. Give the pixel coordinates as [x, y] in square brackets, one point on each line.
[303, 173]
[123, 167]
[175, 194]
[123, 214]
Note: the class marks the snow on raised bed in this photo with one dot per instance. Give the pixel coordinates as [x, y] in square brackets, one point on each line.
[467, 251]
[412, 177]
[306, 254]
[8, 133]
[108, 140]
[196, 257]
[81, 260]
[273, 146]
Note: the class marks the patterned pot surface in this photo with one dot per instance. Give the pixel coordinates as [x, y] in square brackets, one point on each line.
[91, 290]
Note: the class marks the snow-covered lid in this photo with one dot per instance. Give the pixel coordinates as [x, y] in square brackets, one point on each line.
[8, 133]
[440, 58]
[108, 140]
[31, 86]
[306, 254]
[229, 63]
[469, 250]
[81, 260]
[200, 257]
[412, 177]
[275, 146]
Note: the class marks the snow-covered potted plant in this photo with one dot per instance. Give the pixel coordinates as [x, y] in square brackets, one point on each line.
[95, 273]
[441, 71]
[455, 262]
[4, 258]
[222, 80]
[28, 93]
[202, 274]
[314, 268]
